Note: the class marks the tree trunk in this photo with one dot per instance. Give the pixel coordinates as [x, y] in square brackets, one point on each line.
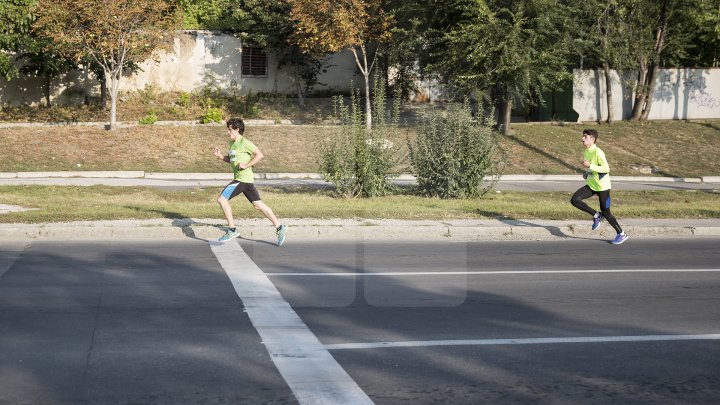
[114, 89]
[103, 93]
[299, 84]
[642, 110]
[506, 113]
[365, 70]
[47, 90]
[368, 103]
[651, 78]
[640, 92]
[608, 93]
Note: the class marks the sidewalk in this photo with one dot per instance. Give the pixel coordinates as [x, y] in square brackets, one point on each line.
[308, 230]
[139, 176]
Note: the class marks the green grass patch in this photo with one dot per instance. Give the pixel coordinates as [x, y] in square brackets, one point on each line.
[70, 203]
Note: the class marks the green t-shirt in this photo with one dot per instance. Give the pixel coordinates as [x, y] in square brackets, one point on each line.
[598, 178]
[241, 151]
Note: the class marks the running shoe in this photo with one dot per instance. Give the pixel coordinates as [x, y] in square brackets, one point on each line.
[229, 235]
[281, 234]
[597, 220]
[620, 238]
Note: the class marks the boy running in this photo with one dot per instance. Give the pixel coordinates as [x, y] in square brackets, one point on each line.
[597, 176]
[242, 156]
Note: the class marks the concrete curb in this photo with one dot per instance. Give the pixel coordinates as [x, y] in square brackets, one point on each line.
[315, 230]
[128, 124]
[317, 176]
[83, 174]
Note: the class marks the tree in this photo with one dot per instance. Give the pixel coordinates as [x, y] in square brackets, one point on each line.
[208, 14]
[40, 58]
[515, 48]
[602, 38]
[113, 33]
[323, 27]
[15, 22]
[706, 21]
[267, 23]
[661, 32]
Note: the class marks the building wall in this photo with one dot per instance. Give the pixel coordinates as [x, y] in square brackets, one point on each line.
[197, 59]
[678, 94]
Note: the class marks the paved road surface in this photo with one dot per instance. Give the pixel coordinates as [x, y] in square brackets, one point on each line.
[170, 322]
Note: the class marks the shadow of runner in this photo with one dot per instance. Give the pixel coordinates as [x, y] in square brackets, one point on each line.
[554, 230]
[184, 223]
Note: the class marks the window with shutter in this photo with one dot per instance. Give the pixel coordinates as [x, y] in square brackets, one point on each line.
[254, 61]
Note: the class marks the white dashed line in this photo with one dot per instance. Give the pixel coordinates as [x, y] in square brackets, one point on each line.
[310, 371]
[489, 273]
[528, 341]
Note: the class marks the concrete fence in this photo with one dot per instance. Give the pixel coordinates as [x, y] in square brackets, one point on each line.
[678, 94]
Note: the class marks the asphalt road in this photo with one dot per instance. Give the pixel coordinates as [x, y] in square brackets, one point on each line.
[170, 322]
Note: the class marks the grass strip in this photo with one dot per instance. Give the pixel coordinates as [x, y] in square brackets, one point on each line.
[71, 203]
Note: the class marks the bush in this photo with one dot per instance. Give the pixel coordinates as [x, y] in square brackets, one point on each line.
[361, 163]
[184, 100]
[453, 153]
[149, 119]
[212, 114]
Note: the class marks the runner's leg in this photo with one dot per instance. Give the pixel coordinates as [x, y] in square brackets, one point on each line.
[579, 196]
[605, 209]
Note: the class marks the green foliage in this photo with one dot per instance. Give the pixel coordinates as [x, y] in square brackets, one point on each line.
[15, 21]
[184, 100]
[453, 153]
[148, 95]
[207, 14]
[149, 119]
[212, 114]
[358, 162]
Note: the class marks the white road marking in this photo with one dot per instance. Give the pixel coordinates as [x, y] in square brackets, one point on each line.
[488, 273]
[527, 341]
[310, 371]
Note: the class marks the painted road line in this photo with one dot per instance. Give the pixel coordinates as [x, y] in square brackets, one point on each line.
[528, 341]
[488, 273]
[310, 371]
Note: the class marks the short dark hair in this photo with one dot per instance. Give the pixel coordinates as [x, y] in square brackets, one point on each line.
[236, 123]
[591, 132]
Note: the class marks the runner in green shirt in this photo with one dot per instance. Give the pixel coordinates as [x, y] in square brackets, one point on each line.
[597, 177]
[242, 156]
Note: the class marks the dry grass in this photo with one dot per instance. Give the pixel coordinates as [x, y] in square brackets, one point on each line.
[151, 148]
[674, 148]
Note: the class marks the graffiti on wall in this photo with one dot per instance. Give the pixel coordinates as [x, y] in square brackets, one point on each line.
[695, 89]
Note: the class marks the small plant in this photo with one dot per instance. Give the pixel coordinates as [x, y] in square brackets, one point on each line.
[212, 114]
[184, 100]
[149, 119]
[148, 95]
[249, 106]
[454, 155]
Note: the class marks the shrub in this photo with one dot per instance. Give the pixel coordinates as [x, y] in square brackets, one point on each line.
[454, 155]
[361, 163]
[184, 100]
[149, 119]
[212, 114]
